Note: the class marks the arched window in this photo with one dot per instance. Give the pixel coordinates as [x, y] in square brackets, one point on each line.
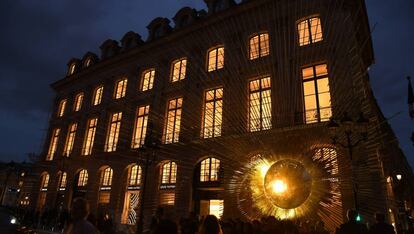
[88, 62]
[215, 58]
[120, 88]
[147, 79]
[209, 170]
[310, 31]
[78, 102]
[135, 175]
[61, 108]
[72, 69]
[97, 95]
[62, 181]
[106, 179]
[169, 173]
[259, 46]
[83, 178]
[178, 70]
[44, 182]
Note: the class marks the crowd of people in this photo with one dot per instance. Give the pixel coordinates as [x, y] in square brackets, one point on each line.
[80, 221]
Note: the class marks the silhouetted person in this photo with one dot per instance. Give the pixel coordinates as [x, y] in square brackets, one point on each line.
[381, 227]
[352, 226]
[79, 213]
[166, 226]
[210, 225]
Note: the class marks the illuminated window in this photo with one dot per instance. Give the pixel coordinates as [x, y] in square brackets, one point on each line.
[140, 129]
[53, 144]
[178, 70]
[259, 46]
[213, 113]
[329, 157]
[215, 59]
[83, 178]
[317, 98]
[260, 105]
[44, 182]
[135, 175]
[72, 69]
[310, 31]
[89, 136]
[147, 79]
[61, 108]
[70, 139]
[88, 62]
[78, 102]
[106, 179]
[209, 170]
[120, 88]
[63, 181]
[97, 96]
[169, 173]
[172, 130]
[113, 132]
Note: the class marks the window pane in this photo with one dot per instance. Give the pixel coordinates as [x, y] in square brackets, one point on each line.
[316, 29]
[254, 47]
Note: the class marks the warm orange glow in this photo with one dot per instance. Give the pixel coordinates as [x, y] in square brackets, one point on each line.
[107, 177]
[209, 170]
[213, 113]
[178, 70]
[260, 105]
[97, 96]
[45, 181]
[53, 144]
[279, 186]
[140, 129]
[172, 130]
[63, 180]
[215, 59]
[78, 102]
[148, 79]
[89, 136]
[135, 173]
[169, 173]
[317, 97]
[259, 46]
[61, 108]
[70, 139]
[83, 178]
[310, 31]
[113, 132]
[120, 88]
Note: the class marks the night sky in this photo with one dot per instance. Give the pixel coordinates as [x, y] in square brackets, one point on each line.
[38, 38]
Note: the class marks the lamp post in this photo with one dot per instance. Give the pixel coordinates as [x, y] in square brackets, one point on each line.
[149, 158]
[354, 132]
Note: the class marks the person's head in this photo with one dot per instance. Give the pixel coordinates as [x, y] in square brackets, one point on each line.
[380, 217]
[166, 226]
[352, 215]
[210, 225]
[80, 208]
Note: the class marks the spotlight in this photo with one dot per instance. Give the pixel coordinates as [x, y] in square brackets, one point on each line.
[279, 186]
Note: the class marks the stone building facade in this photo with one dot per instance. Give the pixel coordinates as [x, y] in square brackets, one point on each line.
[196, 104]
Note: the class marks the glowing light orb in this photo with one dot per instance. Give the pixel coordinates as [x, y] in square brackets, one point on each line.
[287, 184]
[279, 186]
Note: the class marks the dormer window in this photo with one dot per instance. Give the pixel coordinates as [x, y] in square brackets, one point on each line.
[72, 69]
[88, 62]
[158, 31]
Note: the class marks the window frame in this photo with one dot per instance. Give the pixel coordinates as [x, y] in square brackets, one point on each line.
[62, 107]
[53, 143]
[124, 80]
[70, 139]
[214, 101]
[173, 63]
[310, 35]
[151, 80]
[172, 173]
[118, 125]
[209, 176]
[216, 67]
[315, 80]
[175, 134]
[90, 134]
[100, 95]
[258, 34]
[261, 100]
[143, 127]
[83, 177]
[78, 102]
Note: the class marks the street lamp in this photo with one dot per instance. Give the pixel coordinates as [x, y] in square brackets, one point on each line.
[148, 151]
[348, 128]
